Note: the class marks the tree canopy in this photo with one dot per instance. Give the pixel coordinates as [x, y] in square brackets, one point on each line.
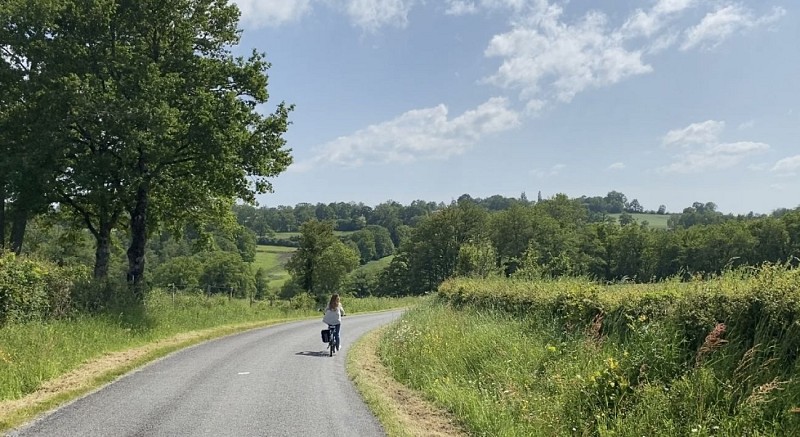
[149, 117]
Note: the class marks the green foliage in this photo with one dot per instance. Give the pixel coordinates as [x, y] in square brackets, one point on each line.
[572, 357]
[321, 262]
[261, 284]
[35, 290]
[477, 260]
[182, 272]
[226, 273]
[140, 115]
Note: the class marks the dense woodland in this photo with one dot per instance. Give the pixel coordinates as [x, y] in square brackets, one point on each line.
[550, 237]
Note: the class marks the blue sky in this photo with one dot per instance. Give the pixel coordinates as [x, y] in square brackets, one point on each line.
[667, 101]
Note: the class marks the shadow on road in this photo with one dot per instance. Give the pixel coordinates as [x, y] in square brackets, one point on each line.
[314, 353]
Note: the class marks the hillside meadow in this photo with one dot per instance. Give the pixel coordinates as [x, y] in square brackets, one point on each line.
[273, 260]
[573, 357]
[655, 221]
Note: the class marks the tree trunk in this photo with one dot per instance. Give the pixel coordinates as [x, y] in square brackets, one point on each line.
[20, 221]
[138, 240]
[2, 216]
[102, 253]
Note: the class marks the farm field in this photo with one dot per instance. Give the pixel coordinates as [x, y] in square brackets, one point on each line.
[376, 266]
[288, 235]
[273, 259]
[656, 221]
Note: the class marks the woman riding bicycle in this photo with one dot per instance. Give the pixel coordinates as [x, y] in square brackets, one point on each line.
[333, 317]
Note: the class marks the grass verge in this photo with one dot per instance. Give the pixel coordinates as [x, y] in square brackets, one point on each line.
[401, 411]
[541, 373]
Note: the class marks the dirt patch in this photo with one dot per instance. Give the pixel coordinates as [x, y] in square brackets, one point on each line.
[401, 410]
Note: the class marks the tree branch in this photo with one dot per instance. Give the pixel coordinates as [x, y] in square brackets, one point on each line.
[87, 217]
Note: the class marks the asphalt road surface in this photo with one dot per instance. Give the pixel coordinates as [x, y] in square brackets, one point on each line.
[275, 381]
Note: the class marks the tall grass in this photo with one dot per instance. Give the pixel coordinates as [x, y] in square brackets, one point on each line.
[35, 352]
[716, 357]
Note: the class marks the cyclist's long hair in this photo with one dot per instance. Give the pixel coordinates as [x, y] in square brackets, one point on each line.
[334, 303]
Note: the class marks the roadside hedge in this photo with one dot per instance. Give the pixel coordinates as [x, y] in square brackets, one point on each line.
[35, 290]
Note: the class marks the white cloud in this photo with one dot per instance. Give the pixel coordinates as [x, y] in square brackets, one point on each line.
[617, 166]
[374, 14]
[718, 25]
[418, 135]
[465, 7]
[648, 23]
[259, 13]
[460, 7]
[702, 150]
[716, 157]
[546, 58]
[552, 171]
[787, 165]
[696, 133]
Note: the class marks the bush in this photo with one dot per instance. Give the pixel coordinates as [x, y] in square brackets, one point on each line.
[34, 290]
[225, 272]
[182, 272]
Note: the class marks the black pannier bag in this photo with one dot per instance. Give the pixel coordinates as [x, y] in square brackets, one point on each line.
[326, 336]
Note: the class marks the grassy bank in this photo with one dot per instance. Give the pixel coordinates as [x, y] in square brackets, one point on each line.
[717, 357]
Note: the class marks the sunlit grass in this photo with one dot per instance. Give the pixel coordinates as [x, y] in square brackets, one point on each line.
[531, 368]
[273, 260]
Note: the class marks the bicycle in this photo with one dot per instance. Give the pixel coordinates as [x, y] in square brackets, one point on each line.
[332, 343]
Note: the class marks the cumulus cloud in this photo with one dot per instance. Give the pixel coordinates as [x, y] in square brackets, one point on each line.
[616, 166]
[465, 7]
[546, 58]
[787, 165]
[419, 134]
[371, 15]
[720, 24]
[260, 13]
[648, 22]
[460, 7]
[696, 133]
[701, 148]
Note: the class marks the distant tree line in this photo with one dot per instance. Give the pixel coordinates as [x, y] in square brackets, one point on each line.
[554, 237]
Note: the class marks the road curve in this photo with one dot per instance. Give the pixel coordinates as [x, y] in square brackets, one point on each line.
[275, 381]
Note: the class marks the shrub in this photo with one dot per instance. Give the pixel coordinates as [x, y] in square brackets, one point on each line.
[34, 290]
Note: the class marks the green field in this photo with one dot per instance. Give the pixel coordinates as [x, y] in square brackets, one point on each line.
[377, 266]
[656, 221]
[288, 235]
[273, 259]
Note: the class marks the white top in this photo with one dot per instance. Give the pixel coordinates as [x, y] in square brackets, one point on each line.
[333, 317]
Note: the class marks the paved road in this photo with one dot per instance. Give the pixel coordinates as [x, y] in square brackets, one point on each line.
[275, 381]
